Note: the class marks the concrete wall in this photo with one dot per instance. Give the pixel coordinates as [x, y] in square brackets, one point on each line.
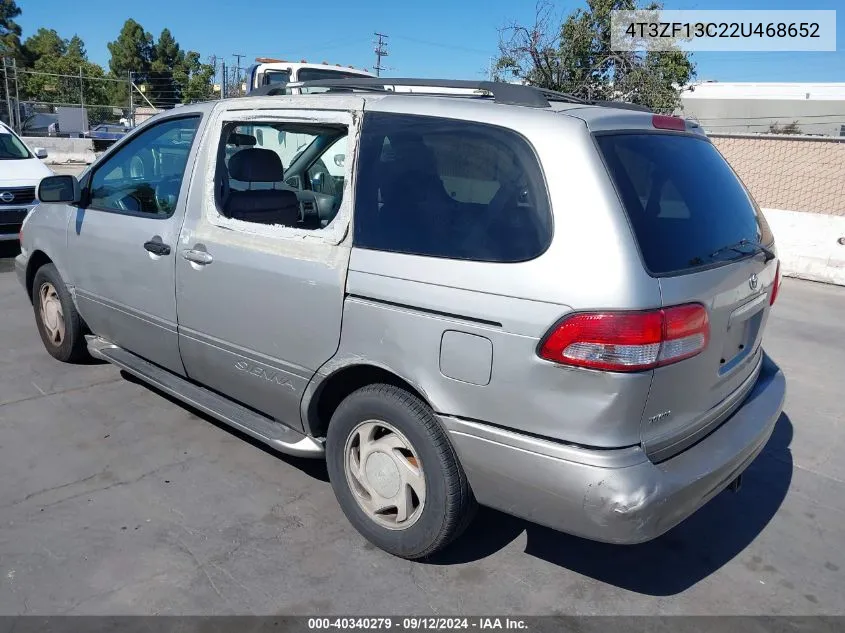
[63, 150]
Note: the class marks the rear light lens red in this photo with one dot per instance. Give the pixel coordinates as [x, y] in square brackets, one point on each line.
[628, 341]
[666, 122]
[776, 288]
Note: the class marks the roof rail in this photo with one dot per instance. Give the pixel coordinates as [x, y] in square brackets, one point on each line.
[512, 94]
[505, 93]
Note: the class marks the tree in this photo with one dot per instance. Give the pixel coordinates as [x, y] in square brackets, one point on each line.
[789, 128]
[132, 51]
[10, 31]
[168, 60]
[44, 43]
[76, 48]
[575, 57]
[196, 78]
[57, 64]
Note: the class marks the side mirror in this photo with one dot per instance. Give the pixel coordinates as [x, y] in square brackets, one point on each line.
[64, 188]
[40, 152]
[339, 159]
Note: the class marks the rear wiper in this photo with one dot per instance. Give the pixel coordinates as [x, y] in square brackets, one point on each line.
[758, 248]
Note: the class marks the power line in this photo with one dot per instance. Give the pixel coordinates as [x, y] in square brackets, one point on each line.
[380, 51]
[455, 47]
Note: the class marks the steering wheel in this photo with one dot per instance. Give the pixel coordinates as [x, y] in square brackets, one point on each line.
[121, 203]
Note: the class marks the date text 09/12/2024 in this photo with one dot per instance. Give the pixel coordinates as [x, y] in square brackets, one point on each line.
[417, 623]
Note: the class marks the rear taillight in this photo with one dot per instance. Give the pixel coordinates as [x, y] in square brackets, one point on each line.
[628, 341]
[776, 287]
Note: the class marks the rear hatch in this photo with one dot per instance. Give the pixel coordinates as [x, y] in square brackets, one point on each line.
[697, 229]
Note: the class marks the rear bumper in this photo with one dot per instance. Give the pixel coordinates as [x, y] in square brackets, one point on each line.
[615, 496]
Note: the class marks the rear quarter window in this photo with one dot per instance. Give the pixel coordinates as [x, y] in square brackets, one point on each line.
[682, 198]
[449, 188]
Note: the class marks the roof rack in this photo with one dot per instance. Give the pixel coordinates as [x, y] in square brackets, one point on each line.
[512, 94]
[505, 93]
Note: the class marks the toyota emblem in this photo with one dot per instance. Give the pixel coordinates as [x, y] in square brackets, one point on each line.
[7, 196]
[752, 281]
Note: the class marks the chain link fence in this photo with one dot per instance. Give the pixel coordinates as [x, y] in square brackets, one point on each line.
[37, 103]
[796, 173]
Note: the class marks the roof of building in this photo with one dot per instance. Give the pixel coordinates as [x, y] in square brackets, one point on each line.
[831, 91]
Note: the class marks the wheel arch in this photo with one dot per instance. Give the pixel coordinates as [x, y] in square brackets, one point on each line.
[36, 260]
[325, 394]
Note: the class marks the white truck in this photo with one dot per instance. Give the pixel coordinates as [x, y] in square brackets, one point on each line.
[268, 71]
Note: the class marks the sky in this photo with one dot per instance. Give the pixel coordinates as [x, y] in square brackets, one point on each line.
[453, 39]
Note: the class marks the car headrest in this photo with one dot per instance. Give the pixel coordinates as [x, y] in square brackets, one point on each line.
[241, 140]
[256, 165]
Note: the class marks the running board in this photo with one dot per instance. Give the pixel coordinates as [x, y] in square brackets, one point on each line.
[282, 438]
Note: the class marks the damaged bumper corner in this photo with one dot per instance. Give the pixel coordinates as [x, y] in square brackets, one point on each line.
[614, 496]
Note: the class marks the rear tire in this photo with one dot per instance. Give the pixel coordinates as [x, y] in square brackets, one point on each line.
[395, 473]
[59, 324]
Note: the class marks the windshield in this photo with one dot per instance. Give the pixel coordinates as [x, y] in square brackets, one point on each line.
[11, 147]
[682, 198]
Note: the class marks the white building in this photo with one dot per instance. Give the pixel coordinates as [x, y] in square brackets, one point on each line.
[728, 107]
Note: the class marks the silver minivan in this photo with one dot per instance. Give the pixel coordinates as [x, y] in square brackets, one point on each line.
[513, 298]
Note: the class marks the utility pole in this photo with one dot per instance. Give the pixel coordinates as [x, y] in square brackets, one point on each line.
[81, 90]
[380, 51]
[222, 78]
[238, 70]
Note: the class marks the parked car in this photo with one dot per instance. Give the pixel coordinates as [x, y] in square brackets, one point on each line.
[105, 134]
[21, 169]
[546, 306]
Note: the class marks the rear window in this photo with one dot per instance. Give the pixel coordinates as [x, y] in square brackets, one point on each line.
[682, 198]
[449, 188]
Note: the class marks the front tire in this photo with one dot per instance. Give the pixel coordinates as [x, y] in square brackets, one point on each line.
[395, 473]
[59, 324]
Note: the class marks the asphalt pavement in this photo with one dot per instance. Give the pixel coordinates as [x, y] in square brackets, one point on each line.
[117, 500]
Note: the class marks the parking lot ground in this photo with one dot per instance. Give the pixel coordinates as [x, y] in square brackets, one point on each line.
[69, 168]
[116, 500]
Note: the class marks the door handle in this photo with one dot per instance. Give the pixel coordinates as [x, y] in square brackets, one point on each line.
[157, 247]
[197, 256]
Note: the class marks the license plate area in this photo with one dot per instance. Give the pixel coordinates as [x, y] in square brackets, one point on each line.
[742, 335]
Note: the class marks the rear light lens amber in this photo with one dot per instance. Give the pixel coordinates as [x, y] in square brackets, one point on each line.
[776, 287]
[628, 341]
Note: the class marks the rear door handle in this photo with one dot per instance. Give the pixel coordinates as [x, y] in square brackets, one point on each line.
[157, 247]
[197, 257]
